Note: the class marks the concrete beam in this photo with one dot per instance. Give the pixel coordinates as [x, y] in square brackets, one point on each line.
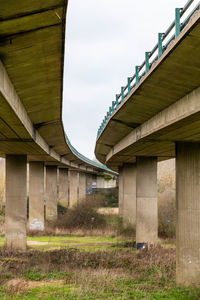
[36, 196]
[82, 187]
[51, 193]
[21, 129]
[73, 188]
[166, 126]
[63, 195]
[147, 207]
[16, 202]
[188, 214]
[147, 98]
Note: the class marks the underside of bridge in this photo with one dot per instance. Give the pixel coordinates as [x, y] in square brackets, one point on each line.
[158, 120]
[32, 43]
[162, 109]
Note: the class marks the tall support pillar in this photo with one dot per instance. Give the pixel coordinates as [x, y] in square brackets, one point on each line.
[121, 192]
[16, 201]
[188, 214]
[63, 196]
[73, 188]
[36, 196]
[100, 181]
[51, 193]
[82, 186]
[147, 205]
[129, 194]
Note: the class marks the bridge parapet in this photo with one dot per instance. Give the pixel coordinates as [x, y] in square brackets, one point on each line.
[182, 17]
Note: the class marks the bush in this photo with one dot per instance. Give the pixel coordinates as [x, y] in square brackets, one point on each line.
[106, 197]
[83, 215]
[167, 215]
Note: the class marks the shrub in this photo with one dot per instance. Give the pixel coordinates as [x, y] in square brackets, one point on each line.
[167, 215]
[82, 215]
[106, 197]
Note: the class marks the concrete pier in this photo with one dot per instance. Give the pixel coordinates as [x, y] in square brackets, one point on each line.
[36, 196]
[147, 207]
[100, 182]
[188, 214]
[129, 194]
[63, 196]
[16, 202]
[91, 181]
[82, 187]
[51, 193]
[73, 188]
[121, 191]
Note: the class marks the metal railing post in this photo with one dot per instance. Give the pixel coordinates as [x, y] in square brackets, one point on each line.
[113, 106]
[117, 101]
[177, 21]
[122, 94]
[129, 85]
[147, 61]
[137, 78]
[160, 47]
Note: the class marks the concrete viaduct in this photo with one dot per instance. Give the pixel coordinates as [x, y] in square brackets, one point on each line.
[32, 38]
[157, 117]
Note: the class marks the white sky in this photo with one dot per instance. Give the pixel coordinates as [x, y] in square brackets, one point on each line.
[105, 39]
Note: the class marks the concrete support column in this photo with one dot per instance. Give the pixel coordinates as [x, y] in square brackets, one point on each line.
[36, 196]
[147, 206]
[63, 196]
[73, 188]
[188, 214]
[51, 193]
[82, 186]
[121, 192]
[129, 194]
[100, 182]
[16, 201]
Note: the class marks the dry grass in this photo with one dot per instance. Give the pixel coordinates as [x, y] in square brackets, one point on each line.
[65, 259]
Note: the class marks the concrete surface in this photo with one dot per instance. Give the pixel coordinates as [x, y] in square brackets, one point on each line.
[100, 182]
[51, 193]
[73, 188]
[147, 204]
[82, 187]
[63, 187]
[174, 76]
[121, 192]
[36, 196]
[16, 202]
[188, 214]
[129, 194]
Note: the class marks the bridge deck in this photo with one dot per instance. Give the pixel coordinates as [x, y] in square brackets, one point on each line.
[32, 38]
[174, 75]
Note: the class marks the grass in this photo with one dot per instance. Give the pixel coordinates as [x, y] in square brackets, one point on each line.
[109, 268]
[78, 242]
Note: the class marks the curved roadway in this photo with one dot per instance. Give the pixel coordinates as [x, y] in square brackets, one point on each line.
[32, 40]
[161, 109]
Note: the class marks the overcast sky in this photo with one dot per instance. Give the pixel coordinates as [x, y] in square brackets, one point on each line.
[105, 39]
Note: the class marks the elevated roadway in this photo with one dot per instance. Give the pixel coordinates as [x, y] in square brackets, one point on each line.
[162, 109]
[32, 43]
[156, 117]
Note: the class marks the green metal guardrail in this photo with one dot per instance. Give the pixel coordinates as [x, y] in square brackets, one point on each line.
[87, 160]
[157, 51]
